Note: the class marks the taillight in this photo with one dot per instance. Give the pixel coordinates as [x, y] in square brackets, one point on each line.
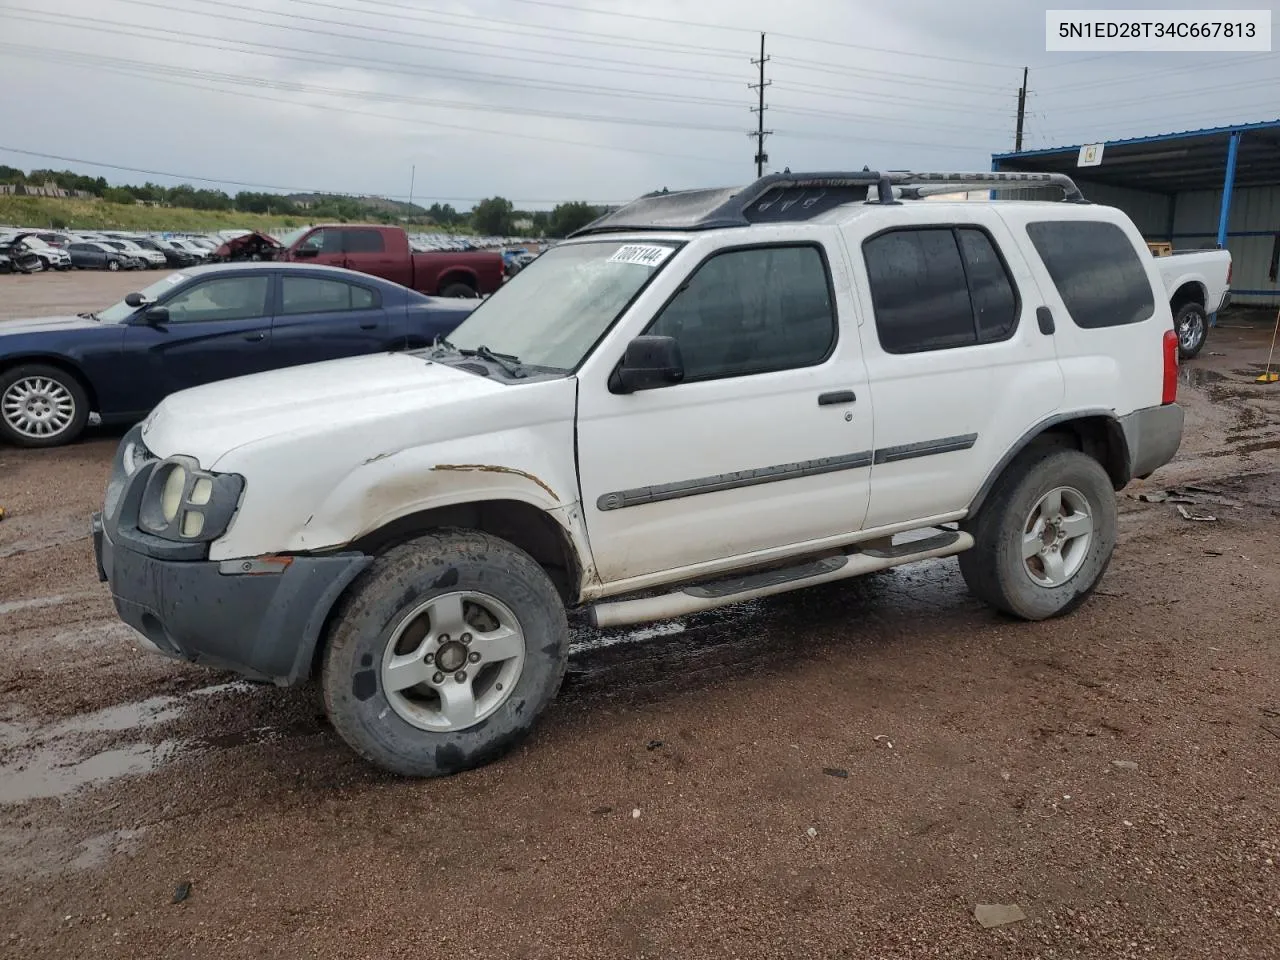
[1230, 265]
[1170, 393]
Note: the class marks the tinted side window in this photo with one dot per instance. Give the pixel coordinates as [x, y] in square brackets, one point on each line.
[1096, 270]
[325, 241]
[364, 241]
[228, 298]
[995, 305]
[315, 295]
[918, 290]
[752, 311]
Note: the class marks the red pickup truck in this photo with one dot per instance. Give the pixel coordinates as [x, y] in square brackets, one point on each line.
[385, 252]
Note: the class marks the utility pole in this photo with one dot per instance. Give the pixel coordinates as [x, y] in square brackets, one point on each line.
[761, 157]
[1022, 112]
[413, 170]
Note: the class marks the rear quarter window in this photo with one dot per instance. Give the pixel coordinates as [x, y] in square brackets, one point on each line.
[1096, 270]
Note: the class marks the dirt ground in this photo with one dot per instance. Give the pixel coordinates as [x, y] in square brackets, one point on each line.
[841, 772]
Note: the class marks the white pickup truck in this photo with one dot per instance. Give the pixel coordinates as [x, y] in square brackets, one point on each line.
[1198, 283]
[702, 398]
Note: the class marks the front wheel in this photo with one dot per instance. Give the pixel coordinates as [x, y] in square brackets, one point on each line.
[41, 406]
[1192, 326]
[444, 653]
[1045, 535]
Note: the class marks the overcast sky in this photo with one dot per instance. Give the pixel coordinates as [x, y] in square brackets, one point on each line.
[548, 100]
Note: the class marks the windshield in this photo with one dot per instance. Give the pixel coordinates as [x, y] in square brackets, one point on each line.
[552, 312]
[120, 312]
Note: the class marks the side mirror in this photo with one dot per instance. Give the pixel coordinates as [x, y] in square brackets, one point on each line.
[648, 363]
[306, 252]
[156, 316]
[136, 300]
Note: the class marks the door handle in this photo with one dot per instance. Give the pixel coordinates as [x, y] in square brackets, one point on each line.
[255, 337]
[1044, 319]
[836, 396]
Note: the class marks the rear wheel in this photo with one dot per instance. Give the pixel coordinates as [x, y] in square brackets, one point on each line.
[459, 289]
[41, 406]
[1045, 535]
[113, 265]
[1192, 325]
[444, 653]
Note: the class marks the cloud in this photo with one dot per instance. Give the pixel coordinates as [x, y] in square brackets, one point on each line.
[563, 99]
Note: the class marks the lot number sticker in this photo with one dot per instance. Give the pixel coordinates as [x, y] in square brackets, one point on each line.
[641, 254]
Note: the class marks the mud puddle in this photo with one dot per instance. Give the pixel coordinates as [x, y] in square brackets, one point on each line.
[54, 760]
[655, 659]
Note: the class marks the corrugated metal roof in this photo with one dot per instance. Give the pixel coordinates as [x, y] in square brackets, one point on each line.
[1205, 132]
[1166, 163]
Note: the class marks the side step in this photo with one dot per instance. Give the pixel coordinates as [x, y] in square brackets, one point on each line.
[720, 593]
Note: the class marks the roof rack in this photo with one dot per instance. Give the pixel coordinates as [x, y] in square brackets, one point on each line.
[789, 197]
[915, 186]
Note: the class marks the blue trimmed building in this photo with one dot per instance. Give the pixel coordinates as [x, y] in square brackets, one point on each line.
[1218, 187]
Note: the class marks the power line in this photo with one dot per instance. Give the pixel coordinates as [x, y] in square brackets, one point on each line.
[858, 138]
[504, 50]
[238, 183]
[790, 36]
[1167, 71]
[513, 26]
[872, 118]
[369, 95]
[639, 16]
[276, 51]
[891, 99]
[1166, 95]
[380, 65]
[915, 79]
[144, 71]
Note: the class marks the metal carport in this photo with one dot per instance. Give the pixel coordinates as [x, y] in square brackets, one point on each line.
[1218, 187]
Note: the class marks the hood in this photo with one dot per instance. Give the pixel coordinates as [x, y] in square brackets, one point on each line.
[209, 421]
[47, 325]
[248, 241]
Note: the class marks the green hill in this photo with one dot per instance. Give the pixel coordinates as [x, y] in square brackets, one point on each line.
[58, 213]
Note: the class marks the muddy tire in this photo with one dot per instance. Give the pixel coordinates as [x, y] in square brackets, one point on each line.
[1044, 536]
[41, 406]
[1192, 326]
[443, 654]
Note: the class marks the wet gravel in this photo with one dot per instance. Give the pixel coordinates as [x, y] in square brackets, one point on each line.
[1112, 773]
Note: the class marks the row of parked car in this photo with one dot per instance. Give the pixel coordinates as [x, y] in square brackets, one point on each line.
[35, 251]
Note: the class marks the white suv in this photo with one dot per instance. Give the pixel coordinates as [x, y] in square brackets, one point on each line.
[701, 398]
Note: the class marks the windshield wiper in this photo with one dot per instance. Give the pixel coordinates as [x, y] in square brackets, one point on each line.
[509, 363]
[89, 316]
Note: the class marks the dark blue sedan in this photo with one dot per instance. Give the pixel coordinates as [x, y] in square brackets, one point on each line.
[195, 326]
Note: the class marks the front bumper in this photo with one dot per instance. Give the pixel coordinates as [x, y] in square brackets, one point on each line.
[258, 617]
[1153, 435]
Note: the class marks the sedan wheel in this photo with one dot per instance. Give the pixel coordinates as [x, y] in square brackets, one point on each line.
[113, 264]
[41, 406]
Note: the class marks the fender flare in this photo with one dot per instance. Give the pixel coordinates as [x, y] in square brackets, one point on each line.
[1115, 434]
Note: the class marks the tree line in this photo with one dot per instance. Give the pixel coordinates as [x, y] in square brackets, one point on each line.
[495, 216]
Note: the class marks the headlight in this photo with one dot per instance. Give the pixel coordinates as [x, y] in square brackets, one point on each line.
[182, 502]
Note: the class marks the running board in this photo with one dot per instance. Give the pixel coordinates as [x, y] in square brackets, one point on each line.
[720, 593]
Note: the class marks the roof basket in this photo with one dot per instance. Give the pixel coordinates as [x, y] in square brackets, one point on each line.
[792, 197]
